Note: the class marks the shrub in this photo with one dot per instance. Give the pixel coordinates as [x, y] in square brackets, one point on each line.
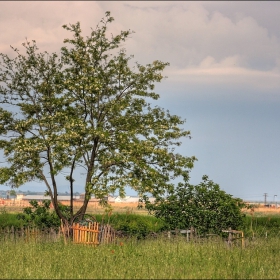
[40, 215]
[205, 207]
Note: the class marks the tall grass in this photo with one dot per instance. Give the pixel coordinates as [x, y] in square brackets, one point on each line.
[145, 259]
[8, 219]
[133, 224]
[262, 226]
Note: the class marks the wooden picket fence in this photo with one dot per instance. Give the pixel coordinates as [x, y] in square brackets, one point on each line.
[93, 233]
[30, 233]
[190, 233]
[234, 235]
[107, 234]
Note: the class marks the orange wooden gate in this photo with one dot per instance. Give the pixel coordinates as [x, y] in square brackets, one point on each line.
[86, 234]
[93, 233]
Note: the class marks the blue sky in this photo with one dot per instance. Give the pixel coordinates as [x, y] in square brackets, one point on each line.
[223, 78]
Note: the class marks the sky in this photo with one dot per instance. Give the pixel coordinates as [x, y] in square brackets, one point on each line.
[223, 78]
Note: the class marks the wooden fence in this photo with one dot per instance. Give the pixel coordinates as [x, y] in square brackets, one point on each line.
[107, 234]
[190, 233]
[234, 235]
[30, 233]
[86, 234]
[93, 233]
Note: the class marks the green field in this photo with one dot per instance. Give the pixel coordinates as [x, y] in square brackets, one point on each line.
[145, 259]
[142, 257]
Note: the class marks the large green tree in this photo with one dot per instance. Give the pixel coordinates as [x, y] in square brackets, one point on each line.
[87, 108]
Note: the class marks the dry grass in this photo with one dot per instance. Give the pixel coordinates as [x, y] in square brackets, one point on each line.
[260, 210]
[16, 206]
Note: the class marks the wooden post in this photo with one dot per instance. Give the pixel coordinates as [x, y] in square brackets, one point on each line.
[237, 236]
[229, 237]
[242, 239]
[63, 232]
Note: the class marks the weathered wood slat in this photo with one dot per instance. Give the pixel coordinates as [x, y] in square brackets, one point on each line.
[93, 234]
[85, 229]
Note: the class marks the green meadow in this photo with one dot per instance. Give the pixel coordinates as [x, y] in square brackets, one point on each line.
[140, 255]
[160, 258]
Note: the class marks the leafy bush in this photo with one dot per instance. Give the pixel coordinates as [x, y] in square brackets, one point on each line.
[205, 207]
[40, 215]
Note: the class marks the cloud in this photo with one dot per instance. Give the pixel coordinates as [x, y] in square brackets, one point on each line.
[184, 33]
[229, 70]
[209, 42]
[43, 21]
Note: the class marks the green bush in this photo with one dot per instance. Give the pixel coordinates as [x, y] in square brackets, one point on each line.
[40, 215]
[205, 207]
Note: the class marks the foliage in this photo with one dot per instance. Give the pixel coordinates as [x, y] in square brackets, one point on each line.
[205, 207]
[139, 226]
[40, 215]
[86, 109]
[261, 226]
[9, 220]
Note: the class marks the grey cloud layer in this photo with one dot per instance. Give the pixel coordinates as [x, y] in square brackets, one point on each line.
[201, 39]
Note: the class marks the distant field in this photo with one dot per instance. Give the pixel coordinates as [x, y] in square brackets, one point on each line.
[120, 207]
[264, 211]
[93, 207]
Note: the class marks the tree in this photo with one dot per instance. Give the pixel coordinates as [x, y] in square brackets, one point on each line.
[87, 109]
[205, 207]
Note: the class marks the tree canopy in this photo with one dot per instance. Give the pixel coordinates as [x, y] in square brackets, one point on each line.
[87, 108]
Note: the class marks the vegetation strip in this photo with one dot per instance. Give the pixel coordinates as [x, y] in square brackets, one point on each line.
[146, 259]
